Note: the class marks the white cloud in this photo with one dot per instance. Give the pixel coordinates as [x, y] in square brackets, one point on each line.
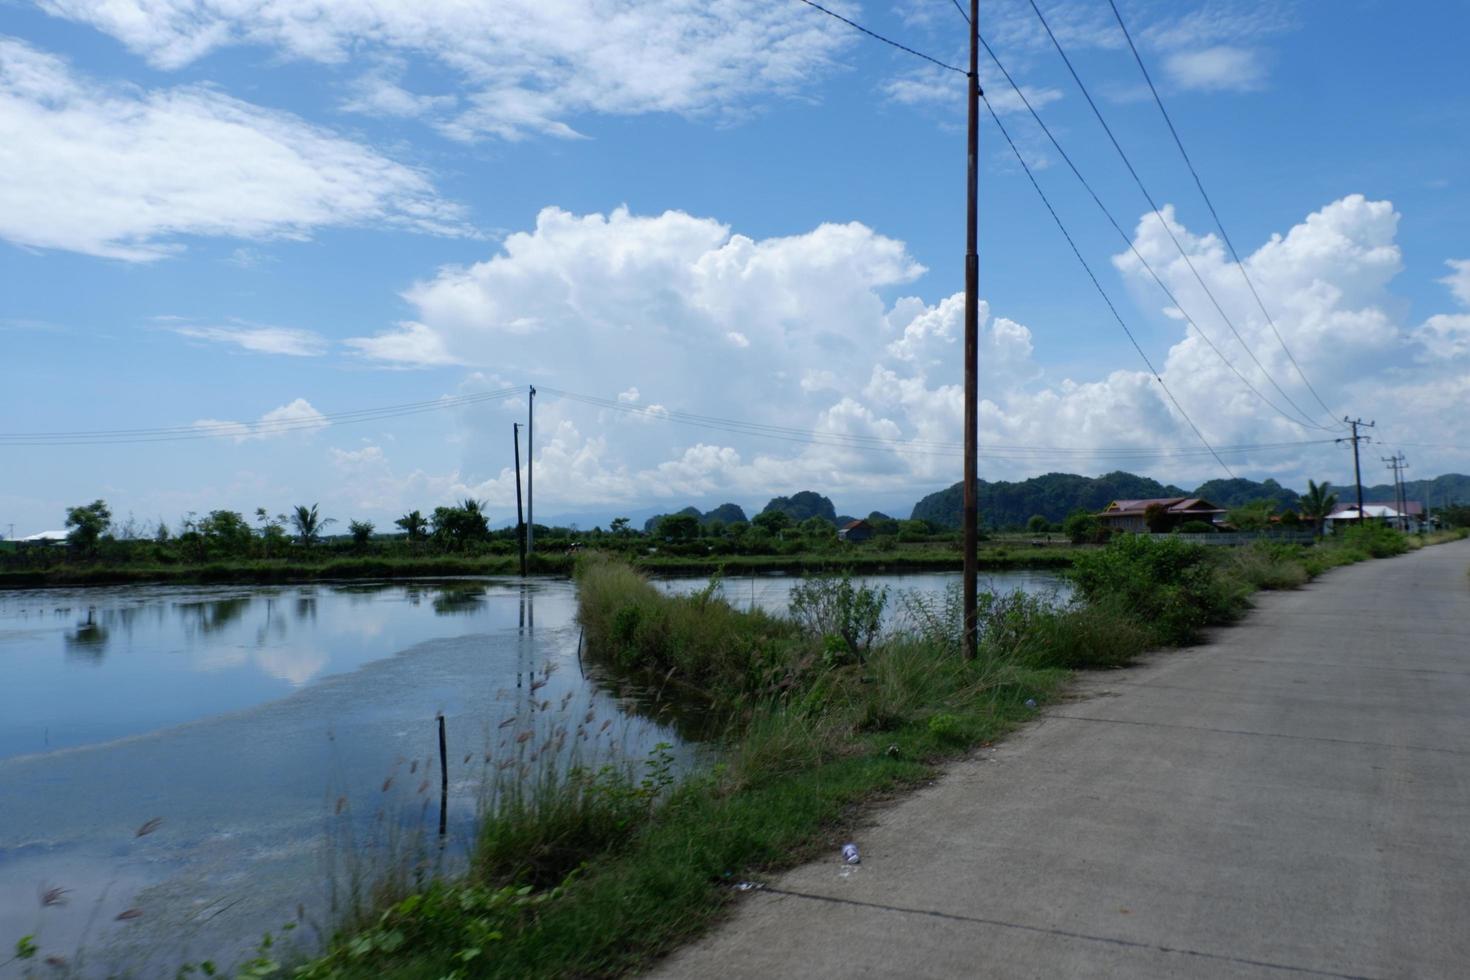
[1459, 279]
[524, 66]
[1222, 68]
[259, 339]
[123, 172]
[294, 417]
[648, 301]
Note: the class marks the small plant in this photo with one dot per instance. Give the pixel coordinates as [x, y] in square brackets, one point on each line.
[832, 607]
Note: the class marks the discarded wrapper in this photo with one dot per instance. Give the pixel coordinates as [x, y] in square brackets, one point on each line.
[850, 854]
[1030, 702]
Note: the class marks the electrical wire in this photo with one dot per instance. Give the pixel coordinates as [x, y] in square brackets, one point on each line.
[1128, 239]
[1148, 196]
[257, 429]
[886, 40]
[1213, 213]
[1101, 292]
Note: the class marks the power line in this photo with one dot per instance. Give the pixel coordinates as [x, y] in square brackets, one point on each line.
[1213, 213]
[1170, 231]
[1102, 292]
[1128, 239]
[886, 40]
[215, 430]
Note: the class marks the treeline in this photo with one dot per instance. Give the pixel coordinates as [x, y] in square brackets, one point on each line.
[301, 536]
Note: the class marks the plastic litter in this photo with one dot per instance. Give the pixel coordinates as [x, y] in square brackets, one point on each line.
[1030, 702]
[850, 854]
[748, 886]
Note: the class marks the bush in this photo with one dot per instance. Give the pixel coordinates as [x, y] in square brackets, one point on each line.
[830, 607]
[1196, 527]
[1168, 584]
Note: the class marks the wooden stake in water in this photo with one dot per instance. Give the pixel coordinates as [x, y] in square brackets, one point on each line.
[443, 780]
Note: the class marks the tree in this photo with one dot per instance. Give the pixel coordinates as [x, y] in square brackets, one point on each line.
[227, 532]
[87, 523]
[361, 531]
[1317, 503]
[1081, 526]
[1254, 516]
[678, 527]
[620, 526]
[413, 524]
[1156, 516]
[773, 522]
[818, 529]
[309, 524]
[459, 526]
[1038, 524]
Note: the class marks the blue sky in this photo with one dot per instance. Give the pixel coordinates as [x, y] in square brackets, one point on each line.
[230, 211]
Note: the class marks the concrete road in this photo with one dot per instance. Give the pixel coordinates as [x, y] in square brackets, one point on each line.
[1291, 799]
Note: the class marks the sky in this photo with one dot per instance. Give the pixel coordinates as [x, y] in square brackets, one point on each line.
[297, 251]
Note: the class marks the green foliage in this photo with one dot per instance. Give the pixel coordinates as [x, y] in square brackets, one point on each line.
[87, 523]
[413, 524]
[1317, 503]
[361, 531]
[1157, 518]
[1082, 526]
[678, 527]
[831, 607]
[773, 522]
[1165, 582]
[1254, 516]
[460, 527]
[1038, 524]
[309, 524]
[1196, 527]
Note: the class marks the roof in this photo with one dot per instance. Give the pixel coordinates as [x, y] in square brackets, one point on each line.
[857, 523]
[1378, 508]
[1172, 505]
[45, 536]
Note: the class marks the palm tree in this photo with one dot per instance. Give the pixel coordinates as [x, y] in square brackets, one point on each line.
[414, 524]
[1317, 503]
[307, 524]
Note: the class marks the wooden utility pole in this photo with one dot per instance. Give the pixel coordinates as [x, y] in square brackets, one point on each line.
[1357, 470]
[1397, 463]
[515, 430]
[531, 472]
[972, 339]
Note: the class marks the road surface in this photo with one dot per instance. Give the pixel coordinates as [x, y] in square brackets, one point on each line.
[1290, 799]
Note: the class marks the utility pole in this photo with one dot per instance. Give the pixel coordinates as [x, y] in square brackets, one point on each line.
[515, 430]
[1357, 470]
[972, 340]
[531, 472]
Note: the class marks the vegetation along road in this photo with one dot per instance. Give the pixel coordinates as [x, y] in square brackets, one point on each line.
[1287, 799]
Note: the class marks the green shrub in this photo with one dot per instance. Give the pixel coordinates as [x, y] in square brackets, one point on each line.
[1168, 584]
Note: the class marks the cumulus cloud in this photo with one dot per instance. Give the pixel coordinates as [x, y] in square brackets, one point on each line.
[123, 172]
[258, 339]
[847, 390]
[294, 417]
[1459, 279]
[1217, 69]
[523, 66]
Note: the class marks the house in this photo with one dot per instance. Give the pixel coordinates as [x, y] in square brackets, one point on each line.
[1132, 515]
[1411, 518]
[855, 531]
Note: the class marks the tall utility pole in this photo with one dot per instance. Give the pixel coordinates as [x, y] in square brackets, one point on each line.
[531, 472]
[1357, 470]
[515, 431]
[1397, 463]
[972, 340]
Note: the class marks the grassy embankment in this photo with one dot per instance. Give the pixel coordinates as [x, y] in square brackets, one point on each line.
[278, 571]
[597, 873]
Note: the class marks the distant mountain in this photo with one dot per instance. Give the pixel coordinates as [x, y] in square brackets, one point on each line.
[729, 513]
[1053, 496]
[800, 506]
[1451, 488]
[1235, 493]
[652, 522]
